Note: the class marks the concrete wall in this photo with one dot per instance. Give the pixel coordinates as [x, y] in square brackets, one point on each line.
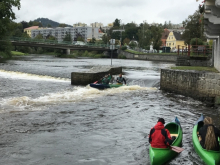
[154, 57]
[195, 84]
[79, 78]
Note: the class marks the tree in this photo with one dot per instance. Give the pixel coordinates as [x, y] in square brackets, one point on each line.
[126, 41]
[49, 25]
[194, 28]
[39, 37]
[6, 17]
[62, 25]
[105, 39]
[116, 23]
[67, 37]
[93, 40]
[156, 33]
[133, 45]
[80, 38]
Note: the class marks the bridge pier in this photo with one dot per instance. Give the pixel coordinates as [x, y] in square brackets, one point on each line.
[68, 51]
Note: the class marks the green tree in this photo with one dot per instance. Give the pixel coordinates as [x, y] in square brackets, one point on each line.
[133, 44]
[49, 25]
[67, 37]
[126, 41]
[93, 40]
[116, 23]
[39, 37]
[62, 25]
[80, 38]
[6, 17]
[156, 33]
[194, 28]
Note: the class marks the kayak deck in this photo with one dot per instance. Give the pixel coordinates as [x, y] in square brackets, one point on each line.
[104, 86]
[160, 156]
[209, 157]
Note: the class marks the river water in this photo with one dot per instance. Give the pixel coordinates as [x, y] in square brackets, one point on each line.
[47, 121]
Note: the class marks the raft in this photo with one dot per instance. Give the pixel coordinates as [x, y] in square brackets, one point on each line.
[209, 157]
[103, 86]
[159, 156]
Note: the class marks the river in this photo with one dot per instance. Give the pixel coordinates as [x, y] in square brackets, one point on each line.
[47, 121]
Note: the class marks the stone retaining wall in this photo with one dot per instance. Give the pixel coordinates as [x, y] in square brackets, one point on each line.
[195, 84]
[82, 78]
[150, 57]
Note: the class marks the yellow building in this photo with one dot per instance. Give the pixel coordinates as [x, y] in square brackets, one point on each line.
[174, 39]
[28, 30]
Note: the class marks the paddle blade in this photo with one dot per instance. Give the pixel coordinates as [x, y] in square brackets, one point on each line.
[176, 149]
[95, 82]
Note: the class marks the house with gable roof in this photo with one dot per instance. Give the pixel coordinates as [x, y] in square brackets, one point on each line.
[174, 39]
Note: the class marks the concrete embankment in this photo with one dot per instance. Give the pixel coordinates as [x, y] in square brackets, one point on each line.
[94, 74]
[149, 57]
[203, 86]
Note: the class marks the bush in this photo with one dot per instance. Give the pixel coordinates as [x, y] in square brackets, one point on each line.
[120, 56]
[123, 47]
[97, 56]
[196, 41]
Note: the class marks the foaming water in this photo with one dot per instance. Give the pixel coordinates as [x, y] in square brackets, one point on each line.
[76, 95]
[28, 76]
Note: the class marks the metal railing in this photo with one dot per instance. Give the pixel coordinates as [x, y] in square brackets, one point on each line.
[195, 50]
[55, 42]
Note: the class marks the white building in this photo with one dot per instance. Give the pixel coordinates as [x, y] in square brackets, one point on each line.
[85, 32]
[96, 24]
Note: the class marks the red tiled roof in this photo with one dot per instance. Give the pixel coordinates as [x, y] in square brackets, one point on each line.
[33, 27]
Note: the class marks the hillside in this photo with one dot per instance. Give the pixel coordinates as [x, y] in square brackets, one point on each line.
[45, 22]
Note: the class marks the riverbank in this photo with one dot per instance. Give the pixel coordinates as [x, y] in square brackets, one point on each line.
[201, 85]
[149, 56]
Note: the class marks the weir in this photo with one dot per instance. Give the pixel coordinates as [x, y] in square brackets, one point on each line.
[94, 74]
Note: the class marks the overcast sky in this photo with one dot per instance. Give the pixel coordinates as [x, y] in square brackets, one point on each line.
[106, 11]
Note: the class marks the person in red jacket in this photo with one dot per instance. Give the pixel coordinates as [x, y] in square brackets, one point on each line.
[159, 136]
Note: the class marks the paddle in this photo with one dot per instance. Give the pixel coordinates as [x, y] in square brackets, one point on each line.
[176, 149]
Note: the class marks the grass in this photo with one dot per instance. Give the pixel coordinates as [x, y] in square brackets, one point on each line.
[16, 53]
[136, 52]
[197, 68]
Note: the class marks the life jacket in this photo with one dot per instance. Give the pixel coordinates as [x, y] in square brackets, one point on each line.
[106, 80]
[159, 136]
[120, 80]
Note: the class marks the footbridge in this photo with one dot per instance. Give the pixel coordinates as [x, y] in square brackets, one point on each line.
[64, 45]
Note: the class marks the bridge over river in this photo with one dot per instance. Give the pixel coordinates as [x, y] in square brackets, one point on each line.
[64, 45]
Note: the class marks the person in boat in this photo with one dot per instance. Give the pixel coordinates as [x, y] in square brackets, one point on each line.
[159, 136]
[105, 80]
[208, 135]
[120, 79]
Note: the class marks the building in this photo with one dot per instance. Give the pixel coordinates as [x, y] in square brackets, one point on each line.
[164, 37]
[101, 34]
[179, 30]
[109, 26]
[85, 32]
[96, 24]
[212, 28]
[174, 40]
[79, 24]
[29, 29]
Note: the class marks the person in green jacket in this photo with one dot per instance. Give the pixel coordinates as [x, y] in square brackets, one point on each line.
[106, 79]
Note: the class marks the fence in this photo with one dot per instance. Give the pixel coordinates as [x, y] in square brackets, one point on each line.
[195, 51]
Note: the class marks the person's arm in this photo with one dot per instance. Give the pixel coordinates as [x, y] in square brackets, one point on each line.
[168, 139]
[199, 135]
[124, 81]
[151, 132]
